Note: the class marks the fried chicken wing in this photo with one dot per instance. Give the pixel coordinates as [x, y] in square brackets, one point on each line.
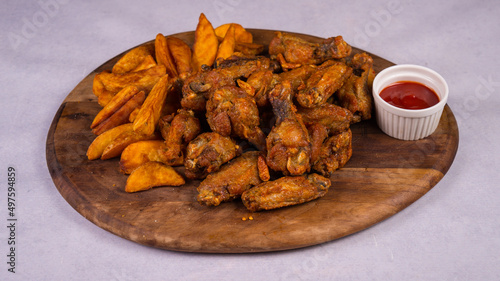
[198, 88]
[228, 183]
[297, 50]
[324, 121]
[323, 83]
[288, 143]
[334, 153]
[333, 117]
[183, 128]
[298, 76]
[355, 94]
[232, 112]
[207, 152]
[261, 82]
[285, 191]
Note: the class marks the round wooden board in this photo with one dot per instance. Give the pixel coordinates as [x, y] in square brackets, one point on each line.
[384, 176]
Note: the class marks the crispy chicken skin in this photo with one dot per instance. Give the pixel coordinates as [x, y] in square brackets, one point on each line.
[285, 191]
[355, 94]
[333, 153]
[298, 76]
[232, 112]
[333, 117]
[183, 128]
[324, 121]
[288, 143]
[207, 152]
[261, 83]
[228, 183]
[296, 50]
[322, 84]
[264, 81]
[198, 88]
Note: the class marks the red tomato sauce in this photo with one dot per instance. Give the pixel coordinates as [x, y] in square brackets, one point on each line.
[409, 95]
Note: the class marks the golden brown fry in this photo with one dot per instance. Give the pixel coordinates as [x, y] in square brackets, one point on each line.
[100, 143]
[132, 59]
[106, 83]
[241, 34]
[163, 55]
[118, 144]
[182, 55]
[226, 47]
[152, 174]
[133, 114]
[149, 114]
[148, 62]
[104, 98]
[121, 116]
[205, 44]
[114, 104]
[139, 153]
[103, 95]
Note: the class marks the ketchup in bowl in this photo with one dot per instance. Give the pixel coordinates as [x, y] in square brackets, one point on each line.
[409, 95]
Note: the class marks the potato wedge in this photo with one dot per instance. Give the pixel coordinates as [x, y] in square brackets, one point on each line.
[133, 114]
[153, 174]
[149, 114]
[103, 96]
[163, 56]
[226, 47]
[181, 52]
[205, 43]
[139, 153]
[100, 143]
[118, 144]
[147, 63]
[144, 80]
[114, 104]
[131, 60]
[241, 34]
[121, 116]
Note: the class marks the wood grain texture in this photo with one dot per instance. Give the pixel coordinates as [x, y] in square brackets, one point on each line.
[384, 176]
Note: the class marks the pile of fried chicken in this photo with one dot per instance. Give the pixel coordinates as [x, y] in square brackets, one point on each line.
[279, 124]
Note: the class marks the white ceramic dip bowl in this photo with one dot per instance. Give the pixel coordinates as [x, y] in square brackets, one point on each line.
[409, 124]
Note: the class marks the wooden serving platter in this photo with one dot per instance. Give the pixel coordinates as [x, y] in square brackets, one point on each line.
[384, 176]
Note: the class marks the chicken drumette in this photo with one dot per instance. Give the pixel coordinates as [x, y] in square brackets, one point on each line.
[324, 121]
[183, 128]
[322, 83]
[198, 88]
[333, 153]
[285, 191]
[207, 152]
[232, 112]
[333, 117]
[298, 51]
[355, 94]
[228, 183]
[288, 143]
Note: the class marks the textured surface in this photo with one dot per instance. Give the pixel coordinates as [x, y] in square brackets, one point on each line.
[451, 233]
